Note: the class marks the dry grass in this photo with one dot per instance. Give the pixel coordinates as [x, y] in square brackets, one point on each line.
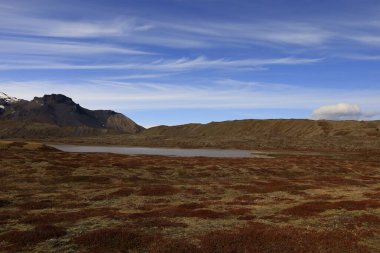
[67, 202]
[316, 207]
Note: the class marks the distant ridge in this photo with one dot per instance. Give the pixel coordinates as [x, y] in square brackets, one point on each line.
[251, 134]
[58, 118]
[21, 118]
[296, 134]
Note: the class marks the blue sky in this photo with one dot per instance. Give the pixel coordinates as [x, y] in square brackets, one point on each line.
[181, 61]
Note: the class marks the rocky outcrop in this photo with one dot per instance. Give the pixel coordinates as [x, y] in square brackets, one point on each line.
[60, 111]
[122, 123]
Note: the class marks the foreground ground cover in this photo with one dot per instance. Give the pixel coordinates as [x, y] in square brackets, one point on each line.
[52, 201]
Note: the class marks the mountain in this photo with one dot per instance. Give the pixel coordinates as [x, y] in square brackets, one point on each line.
[6, 100]
[61, 113]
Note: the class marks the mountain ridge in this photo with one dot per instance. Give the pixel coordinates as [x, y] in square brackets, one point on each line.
[57, 118]
[61, 111]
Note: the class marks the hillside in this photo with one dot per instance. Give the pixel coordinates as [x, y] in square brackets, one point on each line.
[57, 115]
[299, 134]
[278, 134]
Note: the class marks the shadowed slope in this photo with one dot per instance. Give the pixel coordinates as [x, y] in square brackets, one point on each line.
[59, 111]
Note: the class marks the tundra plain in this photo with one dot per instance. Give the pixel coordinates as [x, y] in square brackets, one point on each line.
[51, 201]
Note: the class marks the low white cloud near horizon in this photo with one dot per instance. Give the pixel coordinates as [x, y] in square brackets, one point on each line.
[342, 111]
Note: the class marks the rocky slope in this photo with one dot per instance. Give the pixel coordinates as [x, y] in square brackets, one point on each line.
[60, 115]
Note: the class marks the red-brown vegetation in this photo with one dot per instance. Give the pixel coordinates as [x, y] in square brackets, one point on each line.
[20, 239]
[83, 179]
[58, 217]
[158, 190]
[369, 220]
[4, 202]
[34, 205]
[372, 195]
[264, 238]
[122, 192]
[10, 215]
[316, 207]
[271, 186]
[181, 211]
[256, 237]
[158, 222]
[118, 203]
[247, 217]
[115, 240]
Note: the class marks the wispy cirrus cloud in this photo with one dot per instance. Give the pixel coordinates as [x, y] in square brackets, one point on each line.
[161, 31]
[134, 77]
[180, 33]
[360, 57]
[40, 47]
[182, 64]
[131, 29]
[16, 21]
[369, 38]
[297, 33]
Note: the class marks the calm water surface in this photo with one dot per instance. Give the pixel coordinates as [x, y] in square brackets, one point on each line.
[155, 151]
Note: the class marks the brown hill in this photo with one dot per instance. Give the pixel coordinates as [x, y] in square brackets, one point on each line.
[299, 134]
[272, 128]
[277, 134]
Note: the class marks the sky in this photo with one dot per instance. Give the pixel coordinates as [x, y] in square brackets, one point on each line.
[168, 62]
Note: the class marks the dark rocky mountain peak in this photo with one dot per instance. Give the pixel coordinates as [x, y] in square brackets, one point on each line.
[6, 100]
[62, 111]
[55, 98]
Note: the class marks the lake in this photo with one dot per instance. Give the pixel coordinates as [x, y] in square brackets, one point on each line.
[154, 151]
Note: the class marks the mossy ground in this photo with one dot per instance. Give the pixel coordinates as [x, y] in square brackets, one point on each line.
[51, 201]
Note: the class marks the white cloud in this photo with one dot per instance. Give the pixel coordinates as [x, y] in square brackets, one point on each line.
[341, 111]
[17, 22]
[38, 47]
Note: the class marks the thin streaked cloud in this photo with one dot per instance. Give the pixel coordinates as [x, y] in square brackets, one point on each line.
[38, 47]
[182, 64]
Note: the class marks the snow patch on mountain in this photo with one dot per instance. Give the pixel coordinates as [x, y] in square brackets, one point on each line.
[7, 99]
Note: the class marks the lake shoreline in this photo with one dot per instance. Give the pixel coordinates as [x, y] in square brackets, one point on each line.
[162, 151]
